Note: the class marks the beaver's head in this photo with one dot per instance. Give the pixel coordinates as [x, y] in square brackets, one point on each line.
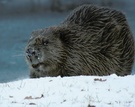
[45, 51]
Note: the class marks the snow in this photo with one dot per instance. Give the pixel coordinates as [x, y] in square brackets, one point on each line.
[78, 91]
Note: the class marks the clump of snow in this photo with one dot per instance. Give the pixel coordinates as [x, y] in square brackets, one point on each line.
[79, 91]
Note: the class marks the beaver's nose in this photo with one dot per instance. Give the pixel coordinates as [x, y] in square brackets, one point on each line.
[31, 52]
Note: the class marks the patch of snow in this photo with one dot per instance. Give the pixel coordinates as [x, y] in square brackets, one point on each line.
[79, 91]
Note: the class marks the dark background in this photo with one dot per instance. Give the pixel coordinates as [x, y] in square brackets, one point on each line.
[18, 18]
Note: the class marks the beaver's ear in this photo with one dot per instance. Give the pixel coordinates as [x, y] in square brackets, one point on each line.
[63, 34]
[37, 32]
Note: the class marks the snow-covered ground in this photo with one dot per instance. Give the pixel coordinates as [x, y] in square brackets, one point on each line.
[79, 91]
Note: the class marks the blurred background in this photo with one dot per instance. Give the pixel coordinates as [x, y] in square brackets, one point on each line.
[18, 18]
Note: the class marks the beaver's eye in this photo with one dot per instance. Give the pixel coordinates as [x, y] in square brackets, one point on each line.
[45, 43]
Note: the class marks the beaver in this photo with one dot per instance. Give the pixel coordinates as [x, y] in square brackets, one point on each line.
[92, 40]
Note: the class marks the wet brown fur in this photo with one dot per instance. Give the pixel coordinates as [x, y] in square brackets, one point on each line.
[91, 41]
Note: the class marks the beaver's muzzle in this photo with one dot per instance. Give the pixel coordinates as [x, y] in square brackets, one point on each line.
[32, 55]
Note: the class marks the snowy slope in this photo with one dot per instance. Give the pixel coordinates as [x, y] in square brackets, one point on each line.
[80, 91]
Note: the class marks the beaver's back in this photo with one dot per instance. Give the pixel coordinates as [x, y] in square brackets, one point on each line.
[100, 40]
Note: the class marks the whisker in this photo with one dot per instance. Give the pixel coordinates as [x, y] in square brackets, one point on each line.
[19, 51]
[18, 55]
